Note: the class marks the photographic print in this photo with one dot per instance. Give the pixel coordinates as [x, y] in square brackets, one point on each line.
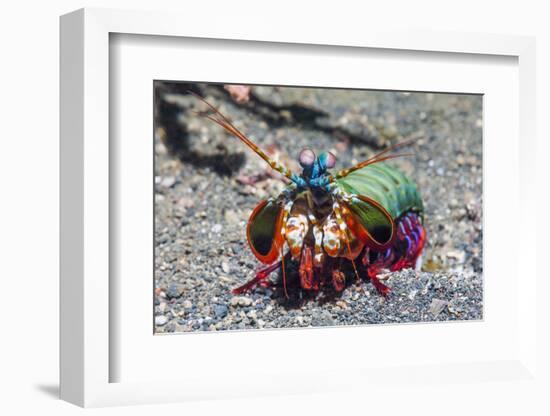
[292, 207]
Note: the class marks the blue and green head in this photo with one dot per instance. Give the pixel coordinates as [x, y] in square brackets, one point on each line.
[315, 175]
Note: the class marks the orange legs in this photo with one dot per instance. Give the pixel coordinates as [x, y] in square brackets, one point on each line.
[307, 276]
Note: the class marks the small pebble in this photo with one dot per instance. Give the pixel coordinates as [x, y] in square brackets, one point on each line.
[186, 202]
[244, 301]
[225, 279]
[231, 217]
[161, 320]
[437, 306]
[342, 304]
[174, 291]
[220, 311]
[456, 255]
[240, 301]
[168, 181]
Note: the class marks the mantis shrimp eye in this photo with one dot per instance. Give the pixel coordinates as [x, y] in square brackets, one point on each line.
[306, 158]
[327, 160]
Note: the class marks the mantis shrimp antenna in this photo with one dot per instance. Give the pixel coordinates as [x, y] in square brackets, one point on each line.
[224, 122]
[379, 157]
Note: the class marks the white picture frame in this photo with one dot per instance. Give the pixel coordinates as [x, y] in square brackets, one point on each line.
[86, 351]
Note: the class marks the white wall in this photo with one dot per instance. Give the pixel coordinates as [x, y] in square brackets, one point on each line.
[29, 56]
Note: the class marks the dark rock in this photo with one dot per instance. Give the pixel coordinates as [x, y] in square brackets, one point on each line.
[174, 291]
[221, 311]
